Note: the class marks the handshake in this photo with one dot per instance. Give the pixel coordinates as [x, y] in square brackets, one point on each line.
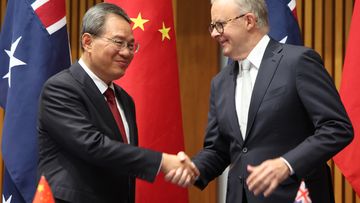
[179, 169]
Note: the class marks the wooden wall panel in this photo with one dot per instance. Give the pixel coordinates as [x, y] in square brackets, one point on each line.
[308, 22]
[198, 63]
[329, 37]
[2, 10]
[325, 27]
[339, 45]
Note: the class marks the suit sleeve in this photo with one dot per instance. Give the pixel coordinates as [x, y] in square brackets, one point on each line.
[320, 99]
[214, 157]
[64, 117]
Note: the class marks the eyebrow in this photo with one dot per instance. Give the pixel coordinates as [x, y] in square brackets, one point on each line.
[217, 21]
[122, 38]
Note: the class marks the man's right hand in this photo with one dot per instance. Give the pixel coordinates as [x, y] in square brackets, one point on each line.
[179, 169]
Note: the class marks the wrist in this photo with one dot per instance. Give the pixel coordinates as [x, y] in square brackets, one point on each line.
[164, 161]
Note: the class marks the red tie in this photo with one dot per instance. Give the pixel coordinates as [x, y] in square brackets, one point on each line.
[110, 98]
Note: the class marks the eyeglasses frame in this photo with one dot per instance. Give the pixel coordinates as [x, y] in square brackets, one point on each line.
[120, 46]
[219, 26]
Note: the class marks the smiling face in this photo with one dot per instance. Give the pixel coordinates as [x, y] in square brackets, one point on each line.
[102, 55]
[235, 37]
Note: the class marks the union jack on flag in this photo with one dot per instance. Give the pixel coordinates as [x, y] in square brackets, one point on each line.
[302, 194]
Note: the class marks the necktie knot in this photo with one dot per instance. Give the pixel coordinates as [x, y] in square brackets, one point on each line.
[110, 95]
[245, 65]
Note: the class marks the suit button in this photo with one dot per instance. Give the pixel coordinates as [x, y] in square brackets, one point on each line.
[244, 150]
[241, 179]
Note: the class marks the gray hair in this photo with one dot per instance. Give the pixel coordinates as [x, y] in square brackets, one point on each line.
[94, 19]
[257, 7]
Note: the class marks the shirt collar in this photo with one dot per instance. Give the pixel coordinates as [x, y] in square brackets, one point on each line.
[257, 53]
[101, 85]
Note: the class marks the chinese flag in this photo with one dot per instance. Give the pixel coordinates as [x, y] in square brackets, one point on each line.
[350, 95]
[43, 192]
[152, 79]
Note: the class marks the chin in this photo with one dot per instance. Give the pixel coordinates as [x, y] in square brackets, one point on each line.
[226, 53]
[120, 75]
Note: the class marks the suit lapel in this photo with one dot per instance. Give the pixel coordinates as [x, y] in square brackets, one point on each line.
[96, 98]
[268, 66]
[230, 95]
[124, 101]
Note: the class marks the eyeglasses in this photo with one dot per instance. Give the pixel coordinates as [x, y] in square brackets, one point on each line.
[121, 44]
[219, 26]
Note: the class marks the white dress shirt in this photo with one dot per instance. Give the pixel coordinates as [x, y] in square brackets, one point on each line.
[255, 57]
[102, 86]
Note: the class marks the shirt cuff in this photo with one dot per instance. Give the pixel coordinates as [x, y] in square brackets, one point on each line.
[162, 157]
[288, 165]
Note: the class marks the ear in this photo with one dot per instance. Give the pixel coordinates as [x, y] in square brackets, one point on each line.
[251, 21]
[86, 41]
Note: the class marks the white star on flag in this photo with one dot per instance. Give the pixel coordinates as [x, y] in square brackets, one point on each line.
[6, 201]
[13, 60]
[284, 40]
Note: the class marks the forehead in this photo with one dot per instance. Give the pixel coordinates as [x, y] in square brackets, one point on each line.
[224, 9]
[116, 26]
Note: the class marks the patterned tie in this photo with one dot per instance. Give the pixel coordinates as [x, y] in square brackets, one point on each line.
[246, 90]
[110, 98]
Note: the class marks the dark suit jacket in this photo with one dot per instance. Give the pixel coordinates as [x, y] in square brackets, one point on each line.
[80, 147]
[295, 112]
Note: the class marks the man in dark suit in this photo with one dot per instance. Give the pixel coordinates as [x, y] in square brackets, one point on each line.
[275, 115]
[87, 127]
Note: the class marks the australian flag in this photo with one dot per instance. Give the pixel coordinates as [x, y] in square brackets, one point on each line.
[33, 46]
[283, 23]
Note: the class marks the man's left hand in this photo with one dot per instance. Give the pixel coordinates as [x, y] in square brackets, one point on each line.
[265, 177]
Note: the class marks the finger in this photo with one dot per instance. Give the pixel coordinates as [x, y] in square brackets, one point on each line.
[182, 156]
[254, 174]
[177, 176]
[195, 169]
[250, 168]
[182, 179]
[271, 188]
[260, 187]
[169, 176]
[187, 181]
[192, 181]
[260, 180]
[263, 182]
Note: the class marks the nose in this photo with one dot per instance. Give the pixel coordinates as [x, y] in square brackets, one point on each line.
[125, 52]
[214, 33]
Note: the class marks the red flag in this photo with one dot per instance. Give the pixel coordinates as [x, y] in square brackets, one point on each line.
[152, 79]
[349, 91]
[43, 192]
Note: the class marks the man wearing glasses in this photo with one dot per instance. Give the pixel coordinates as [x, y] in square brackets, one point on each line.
[275, 115]
[87, 128]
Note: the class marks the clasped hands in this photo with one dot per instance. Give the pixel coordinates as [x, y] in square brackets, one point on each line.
[179, 169]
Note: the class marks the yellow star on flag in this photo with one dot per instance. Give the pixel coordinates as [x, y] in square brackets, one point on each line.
[165, 32]
[40, 188]
[139, 22]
